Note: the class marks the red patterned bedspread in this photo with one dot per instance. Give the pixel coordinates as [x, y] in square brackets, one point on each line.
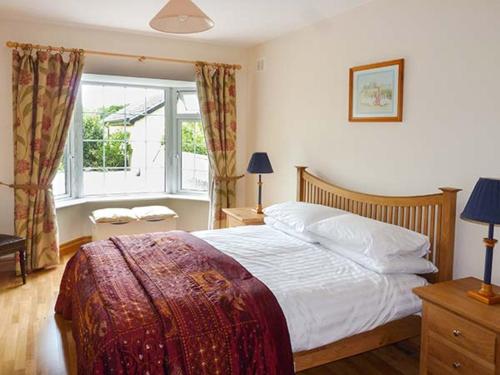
[169, 303]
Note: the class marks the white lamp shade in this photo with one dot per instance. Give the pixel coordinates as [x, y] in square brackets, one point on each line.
[181, 17]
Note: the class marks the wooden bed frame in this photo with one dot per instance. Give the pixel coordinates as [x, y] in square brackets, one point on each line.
[433, 215]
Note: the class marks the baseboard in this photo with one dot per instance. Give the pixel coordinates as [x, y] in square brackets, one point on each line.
[73, 245]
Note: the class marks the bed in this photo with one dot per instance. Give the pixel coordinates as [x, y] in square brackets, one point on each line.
[433, 215]
[309, 282]
[324, 317]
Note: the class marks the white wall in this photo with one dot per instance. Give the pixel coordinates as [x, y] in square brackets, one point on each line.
[115, 42]
[451, 127]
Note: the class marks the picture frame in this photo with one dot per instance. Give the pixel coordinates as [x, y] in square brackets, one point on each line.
[376, 92]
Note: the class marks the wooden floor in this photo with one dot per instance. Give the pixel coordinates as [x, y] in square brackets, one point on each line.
[35, 341]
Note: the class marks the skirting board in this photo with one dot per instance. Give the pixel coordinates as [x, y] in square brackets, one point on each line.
[73, 245]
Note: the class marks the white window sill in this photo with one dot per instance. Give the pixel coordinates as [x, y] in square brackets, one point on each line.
[68, 202]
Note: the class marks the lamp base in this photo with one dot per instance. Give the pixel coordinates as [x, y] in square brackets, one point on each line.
[258, 209]
[485, 295]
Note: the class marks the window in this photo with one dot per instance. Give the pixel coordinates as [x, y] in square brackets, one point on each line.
[194, 161]
[132, 135]
[61, 180]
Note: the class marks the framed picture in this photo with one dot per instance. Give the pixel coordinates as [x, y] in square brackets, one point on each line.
[376, 92]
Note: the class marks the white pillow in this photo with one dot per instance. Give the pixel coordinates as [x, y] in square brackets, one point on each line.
[389, 265]
[371, 238]
[153, 213]
[278, 225]
[114, 215]
[298, 215]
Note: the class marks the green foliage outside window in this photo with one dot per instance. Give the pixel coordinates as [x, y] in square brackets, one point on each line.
[193, 139]
[114, 145]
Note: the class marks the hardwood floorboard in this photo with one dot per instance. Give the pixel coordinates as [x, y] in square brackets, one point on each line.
[33, 340]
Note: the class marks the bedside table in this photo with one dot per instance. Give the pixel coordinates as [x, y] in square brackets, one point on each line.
[237, 217]
[459, 334]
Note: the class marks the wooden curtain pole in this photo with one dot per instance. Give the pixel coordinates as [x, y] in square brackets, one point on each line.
[141, 58]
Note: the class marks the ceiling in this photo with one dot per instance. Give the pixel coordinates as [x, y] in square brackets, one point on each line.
[237, 22]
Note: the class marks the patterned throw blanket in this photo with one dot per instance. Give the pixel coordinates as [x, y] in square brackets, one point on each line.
[169, 303]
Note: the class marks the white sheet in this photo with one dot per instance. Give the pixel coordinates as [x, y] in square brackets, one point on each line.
[324, 296]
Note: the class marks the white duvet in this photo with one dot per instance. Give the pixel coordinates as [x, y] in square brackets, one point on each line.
[324, 296]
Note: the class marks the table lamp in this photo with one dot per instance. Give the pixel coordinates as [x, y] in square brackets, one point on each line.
[259, 163]
[484, 206]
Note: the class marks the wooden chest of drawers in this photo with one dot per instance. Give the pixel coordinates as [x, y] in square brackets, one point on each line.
[459, 335]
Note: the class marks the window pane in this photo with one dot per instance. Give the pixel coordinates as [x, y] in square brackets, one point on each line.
[155, 102]
[146, 172]
[59, 183]
[93, 181]
[117, 154]
[113, 100]
[93, 167]
[93, 127]
[187, 103]
[155, 128]
[113, 113]
[93, 155]
[107, 174]
[92, 99]
[135, 103]
[194, 156]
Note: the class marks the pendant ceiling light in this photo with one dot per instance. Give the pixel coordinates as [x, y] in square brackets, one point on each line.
[181, 17]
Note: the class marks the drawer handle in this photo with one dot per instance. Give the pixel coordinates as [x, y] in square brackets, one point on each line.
[456, 365]
[457, 333]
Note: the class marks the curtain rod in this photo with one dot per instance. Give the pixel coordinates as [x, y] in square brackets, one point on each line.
[141, 58]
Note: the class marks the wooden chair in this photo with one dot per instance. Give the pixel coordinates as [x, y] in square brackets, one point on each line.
[11, 245]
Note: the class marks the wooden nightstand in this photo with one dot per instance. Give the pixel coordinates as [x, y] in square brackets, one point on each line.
[237, 217]
[459, 334]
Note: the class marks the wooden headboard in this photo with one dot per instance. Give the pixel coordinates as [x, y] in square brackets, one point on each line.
[433, 215]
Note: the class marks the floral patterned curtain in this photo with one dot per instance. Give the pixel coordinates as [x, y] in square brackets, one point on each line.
[217, 96]
[44, 89]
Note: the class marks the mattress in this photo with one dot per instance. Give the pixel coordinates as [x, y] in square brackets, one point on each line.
[324, 296]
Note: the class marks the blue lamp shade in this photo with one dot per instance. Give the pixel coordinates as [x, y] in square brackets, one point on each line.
[484, 202]
[259, 163]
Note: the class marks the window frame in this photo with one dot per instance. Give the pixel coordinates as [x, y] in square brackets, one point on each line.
[67, 173]
[173, 142]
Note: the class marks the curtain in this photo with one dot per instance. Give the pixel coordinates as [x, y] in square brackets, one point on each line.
[44, 89]
[217, 96]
